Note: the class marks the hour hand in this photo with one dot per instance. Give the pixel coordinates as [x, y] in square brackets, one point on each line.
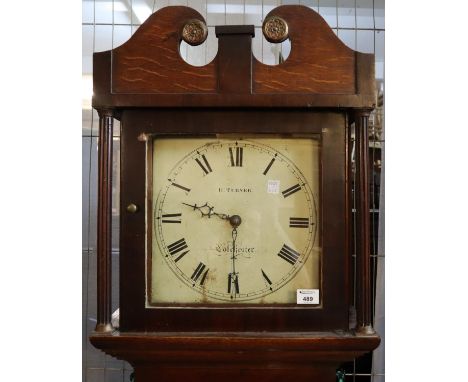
[207, 210]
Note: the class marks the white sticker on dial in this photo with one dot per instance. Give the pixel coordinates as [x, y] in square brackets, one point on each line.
[308, 296]
[273, 186]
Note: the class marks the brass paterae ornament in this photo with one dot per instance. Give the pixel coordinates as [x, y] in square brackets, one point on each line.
[275, 29]
[194, 32]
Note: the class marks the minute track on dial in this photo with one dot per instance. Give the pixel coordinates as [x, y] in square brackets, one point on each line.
[234, 188]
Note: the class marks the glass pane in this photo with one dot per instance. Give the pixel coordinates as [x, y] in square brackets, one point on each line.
[346, 14]
[86, 92]
[87, 11]
[85, 181]
[379, 54]
[95, 123]
[198, 5]
[194, 235]
[95, 375]
[121, 34]
[314, 4]
[103, 11]
[158, 4]
[328, 10]
[253, 13]
[142, 9]
[365, 41]
[86, 123]
[235, 12]
[122, 12]
[269, 5]
[379, 14]
[365, 13]
[113, 375]
[257, 43]
[348, 37]
[134, 28]
[270, 52]
[93, 190]
[379, 45]
[196, 55]
[115, 192]
[87, 38]
[211, 45]
[103, 38]
[216, 12]
[95, 358]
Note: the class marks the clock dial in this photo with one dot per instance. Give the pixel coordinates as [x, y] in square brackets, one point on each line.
[234, 220]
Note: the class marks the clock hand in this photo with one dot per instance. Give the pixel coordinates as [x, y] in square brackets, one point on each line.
[235, 221]
[207, 210]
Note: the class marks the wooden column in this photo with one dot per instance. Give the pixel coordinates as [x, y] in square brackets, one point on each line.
[364, 314]
[104, 249]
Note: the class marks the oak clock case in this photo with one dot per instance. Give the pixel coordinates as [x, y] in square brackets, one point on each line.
[296, 233]
[235, 192]
[234, 219]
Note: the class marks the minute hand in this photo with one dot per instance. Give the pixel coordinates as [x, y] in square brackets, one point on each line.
[207, 210]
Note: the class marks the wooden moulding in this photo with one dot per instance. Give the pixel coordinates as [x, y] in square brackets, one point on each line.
[319, 63]
[142, 83]
[150, 61]
[148, 70]
[235, 347]
[235, 357]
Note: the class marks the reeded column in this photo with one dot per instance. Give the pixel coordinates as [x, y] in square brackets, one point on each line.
[364, 314]
[104, 222]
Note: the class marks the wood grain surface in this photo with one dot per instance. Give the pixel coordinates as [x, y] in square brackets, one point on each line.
[150, 62]
[318, 63]
[148, 70]
[258, 357]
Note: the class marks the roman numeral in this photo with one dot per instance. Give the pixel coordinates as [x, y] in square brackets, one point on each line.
[171, 218]
[176, 247]
[233, 279]
[239, 155]
[198, 272]
[181, 187]
[268, 167]
[299, 222]
[266, 277]
[288, 254]
[291, 190]
[206, 170]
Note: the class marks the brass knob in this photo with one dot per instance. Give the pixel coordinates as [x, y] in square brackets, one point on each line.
[194, 32]
[132, 208]
[275, 29]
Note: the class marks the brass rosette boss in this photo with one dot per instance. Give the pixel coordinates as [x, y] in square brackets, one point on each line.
[194, 32]
[275, 29]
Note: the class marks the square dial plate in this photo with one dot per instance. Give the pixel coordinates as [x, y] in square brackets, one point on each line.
[234, 219]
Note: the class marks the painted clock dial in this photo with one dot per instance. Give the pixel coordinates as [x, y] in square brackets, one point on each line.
[234, 219]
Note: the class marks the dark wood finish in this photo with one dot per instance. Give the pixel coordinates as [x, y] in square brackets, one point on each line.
[235, 356]
[135, 316]
[317, 90]
[235, 76]
[104, 242]
[318, 63]
[147, 71]
[150, 61]
[363, 279]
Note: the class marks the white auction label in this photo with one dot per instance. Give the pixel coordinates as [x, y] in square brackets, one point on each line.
[273, 186]
[308, 296]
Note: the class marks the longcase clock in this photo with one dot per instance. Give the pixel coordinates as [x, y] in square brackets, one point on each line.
[236, 201]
